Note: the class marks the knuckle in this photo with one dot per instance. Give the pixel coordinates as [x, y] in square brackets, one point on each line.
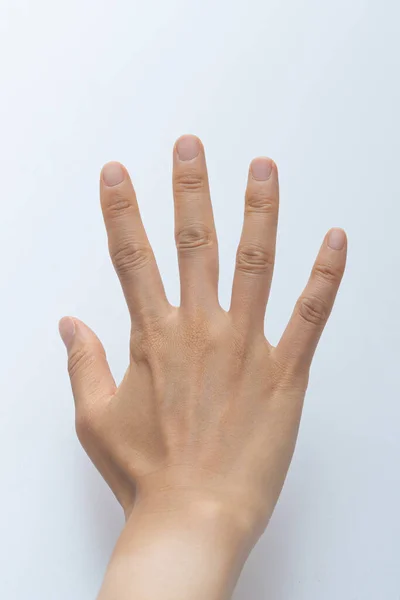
[200, 330]
[87, 423]
[79, 360]
[199, 337]
[189, 181]
[252, 258]
[131, 257]
[192, 236]
[118, 203]
[293, 381]
[327, 272]
[149, 342]
[313, 310]
[257, 201]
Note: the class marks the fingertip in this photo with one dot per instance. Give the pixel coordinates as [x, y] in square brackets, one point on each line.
[262, 167]
[72, 329]
[188, 147]
[66, 328]
[336, 238]
[113, 173]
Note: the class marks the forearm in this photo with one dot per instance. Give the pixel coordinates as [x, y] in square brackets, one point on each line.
[178, 551]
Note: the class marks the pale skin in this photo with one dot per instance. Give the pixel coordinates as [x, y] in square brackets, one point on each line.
[197, 439]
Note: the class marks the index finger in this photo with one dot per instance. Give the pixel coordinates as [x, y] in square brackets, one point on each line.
[129, 246]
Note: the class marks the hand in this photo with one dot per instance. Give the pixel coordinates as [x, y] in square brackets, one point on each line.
[208, 411]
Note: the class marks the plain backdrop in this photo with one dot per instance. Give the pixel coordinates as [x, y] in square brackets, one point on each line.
[313, 84]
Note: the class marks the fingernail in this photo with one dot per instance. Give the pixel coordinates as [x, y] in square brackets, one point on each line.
[113, 174]
[261, 168]
[188, 147]
[336, 239]
[66, 328]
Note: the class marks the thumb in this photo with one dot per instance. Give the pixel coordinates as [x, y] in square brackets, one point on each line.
[88, 368]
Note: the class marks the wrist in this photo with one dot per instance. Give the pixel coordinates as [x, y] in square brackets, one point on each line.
[200, 537]
[197, 546]
[201, 509]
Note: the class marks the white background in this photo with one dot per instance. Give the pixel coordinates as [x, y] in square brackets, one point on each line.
[313, 84]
